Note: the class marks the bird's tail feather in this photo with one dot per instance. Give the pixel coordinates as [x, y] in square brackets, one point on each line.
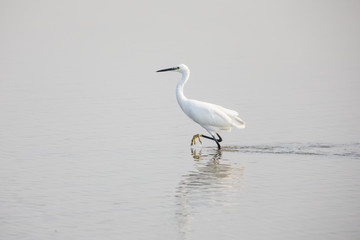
[238, 123]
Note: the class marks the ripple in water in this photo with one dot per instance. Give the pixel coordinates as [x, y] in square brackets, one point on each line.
[351, 150]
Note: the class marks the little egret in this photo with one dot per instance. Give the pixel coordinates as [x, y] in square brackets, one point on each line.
[213, 118]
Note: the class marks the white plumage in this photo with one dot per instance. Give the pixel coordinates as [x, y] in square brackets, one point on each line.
[213, 118]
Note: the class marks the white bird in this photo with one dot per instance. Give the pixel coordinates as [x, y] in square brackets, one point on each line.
[213, 118]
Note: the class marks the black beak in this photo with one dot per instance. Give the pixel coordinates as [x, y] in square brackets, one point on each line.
[167, 69]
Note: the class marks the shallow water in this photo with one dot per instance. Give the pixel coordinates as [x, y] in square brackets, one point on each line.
[94, 146]
[289, 190]
[230, 194]
[317, 149]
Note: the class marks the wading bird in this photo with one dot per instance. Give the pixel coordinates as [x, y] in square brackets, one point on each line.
[213, 118]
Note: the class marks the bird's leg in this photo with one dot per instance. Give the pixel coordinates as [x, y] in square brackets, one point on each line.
[193, 140]
[220, 139]
[218, 144]
[212, 138]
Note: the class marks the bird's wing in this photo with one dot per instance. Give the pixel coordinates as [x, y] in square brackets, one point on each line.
[236, 121]
[207, 114]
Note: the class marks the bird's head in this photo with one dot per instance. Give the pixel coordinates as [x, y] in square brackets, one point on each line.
[179, 68]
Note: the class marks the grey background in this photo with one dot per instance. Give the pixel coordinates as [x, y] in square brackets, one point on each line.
[278, 63]
[93, 144]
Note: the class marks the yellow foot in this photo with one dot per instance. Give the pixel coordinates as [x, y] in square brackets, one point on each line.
[193, 140]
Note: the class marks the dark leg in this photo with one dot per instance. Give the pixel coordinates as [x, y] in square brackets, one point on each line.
[220, 139]
[214, 139]
[219, 147]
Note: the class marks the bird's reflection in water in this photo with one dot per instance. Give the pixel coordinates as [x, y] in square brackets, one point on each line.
[214, 181]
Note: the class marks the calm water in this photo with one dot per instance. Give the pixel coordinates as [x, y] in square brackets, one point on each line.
[91, 166]
[94, 146]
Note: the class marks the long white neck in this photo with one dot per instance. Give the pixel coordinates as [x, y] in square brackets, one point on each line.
[180, 88]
